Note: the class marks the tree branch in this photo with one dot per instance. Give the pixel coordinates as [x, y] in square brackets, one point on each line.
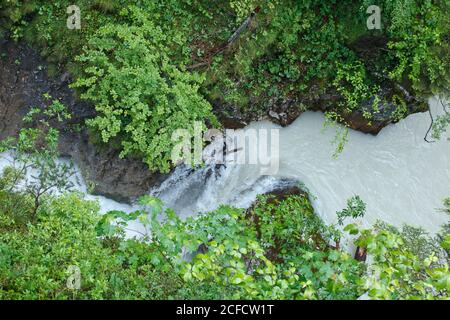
[431, 126]
[229, 42]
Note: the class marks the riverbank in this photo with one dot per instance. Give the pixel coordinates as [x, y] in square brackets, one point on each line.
[402, 178]
[24, 82]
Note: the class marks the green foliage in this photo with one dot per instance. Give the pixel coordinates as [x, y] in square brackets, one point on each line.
[290, 225]
[447, 205]
[417, 241]
[35, 171]
[276, 250]
[417, 31]
[440, 126]
[350, 81]
[280, 250]
[397, 270]
[139, 95]
[34, 262]
[334, 120]
[243, 8]
[441, 122]
[14, 204]
[356, 208]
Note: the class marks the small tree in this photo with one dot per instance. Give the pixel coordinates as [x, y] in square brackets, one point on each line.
[356, 208]
[35, 169]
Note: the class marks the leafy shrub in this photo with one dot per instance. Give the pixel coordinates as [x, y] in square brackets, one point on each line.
[397, 271]
[138, 94]
[356, 208]
[277, 250]
[34, 263]
[35, 169]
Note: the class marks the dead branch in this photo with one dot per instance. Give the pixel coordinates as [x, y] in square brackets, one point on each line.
[229, 42]
[431, 126]
[406, 93]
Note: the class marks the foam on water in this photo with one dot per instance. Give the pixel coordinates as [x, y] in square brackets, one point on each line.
[401, 178]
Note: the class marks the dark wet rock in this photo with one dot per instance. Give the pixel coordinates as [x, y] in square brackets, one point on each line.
[17, 85]
[357, 121]
[23, 82]
[286, 188]
[370, 48]
[387, 112]
[230, 116]
[230, 122]
[120, 179]
[284, 110]
[377, 121]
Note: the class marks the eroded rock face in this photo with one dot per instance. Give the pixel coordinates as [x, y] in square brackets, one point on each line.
[284, 110]
[388, 112]
[120, 179]
[17, 87]
[23, 82]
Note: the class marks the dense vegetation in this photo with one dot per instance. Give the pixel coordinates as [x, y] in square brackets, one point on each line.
[277, 249]
[151, 66]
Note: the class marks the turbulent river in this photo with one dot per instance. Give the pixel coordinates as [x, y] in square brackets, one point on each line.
[402, 178]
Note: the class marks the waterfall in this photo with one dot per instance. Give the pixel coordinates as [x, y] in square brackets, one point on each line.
[401, 178]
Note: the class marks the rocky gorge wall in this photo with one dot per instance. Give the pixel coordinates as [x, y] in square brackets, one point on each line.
[23, 83]
[24, 80]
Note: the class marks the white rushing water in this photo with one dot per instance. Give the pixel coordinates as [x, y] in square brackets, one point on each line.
[401, 178]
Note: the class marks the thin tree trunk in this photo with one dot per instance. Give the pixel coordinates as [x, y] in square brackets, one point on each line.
[229, 42]
[361, 254]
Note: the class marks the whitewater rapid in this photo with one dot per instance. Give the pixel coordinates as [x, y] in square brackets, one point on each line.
[401, 178]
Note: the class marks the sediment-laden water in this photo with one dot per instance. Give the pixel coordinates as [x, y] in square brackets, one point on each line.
[402, 178]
